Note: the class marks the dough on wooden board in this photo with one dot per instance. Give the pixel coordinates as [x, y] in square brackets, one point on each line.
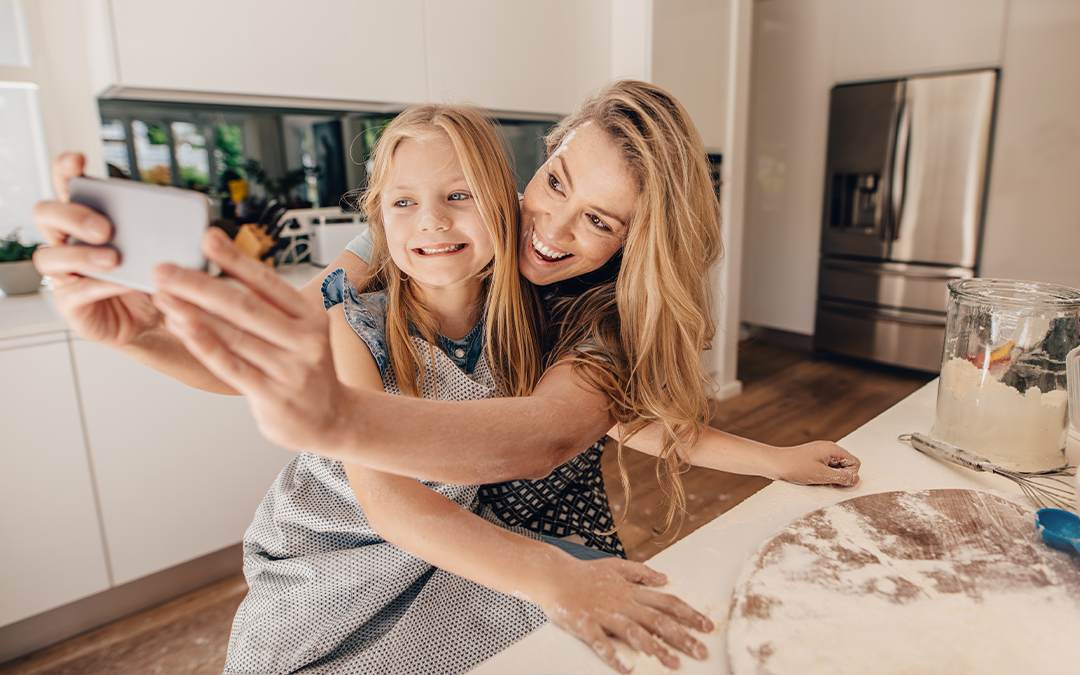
[908, 582]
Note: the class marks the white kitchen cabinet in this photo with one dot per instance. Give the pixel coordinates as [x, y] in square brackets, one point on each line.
[518, 56]
[358, 50]
[179, 471]
[51, 538]
[875, 39]
[1032, 228]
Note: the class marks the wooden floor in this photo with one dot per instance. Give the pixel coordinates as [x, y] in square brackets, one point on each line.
[788, 398]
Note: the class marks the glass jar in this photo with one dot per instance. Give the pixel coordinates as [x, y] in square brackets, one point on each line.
[1004, 389]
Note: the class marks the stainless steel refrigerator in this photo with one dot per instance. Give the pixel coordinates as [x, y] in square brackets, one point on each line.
[905, 179]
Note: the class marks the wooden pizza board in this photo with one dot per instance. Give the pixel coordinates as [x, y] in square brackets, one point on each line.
[937, 581]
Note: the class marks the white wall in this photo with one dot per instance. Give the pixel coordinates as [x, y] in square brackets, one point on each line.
[690, 58]
[1032, 228]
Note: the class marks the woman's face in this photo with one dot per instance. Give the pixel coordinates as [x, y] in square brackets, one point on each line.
[577, 207]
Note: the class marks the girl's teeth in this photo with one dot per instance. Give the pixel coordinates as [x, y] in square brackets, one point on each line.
[544, 250]
[444, 249]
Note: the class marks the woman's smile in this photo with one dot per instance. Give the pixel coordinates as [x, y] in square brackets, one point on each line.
[577, 208]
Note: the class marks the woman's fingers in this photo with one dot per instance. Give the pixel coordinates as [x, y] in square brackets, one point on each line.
[59, 220]
[256, 276]
[64, 168]
[65, 261]
[192, 328]
[237, 304]
[258, 353]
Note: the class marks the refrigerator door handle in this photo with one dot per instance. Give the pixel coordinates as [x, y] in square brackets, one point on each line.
[884, 212]
[900, 164]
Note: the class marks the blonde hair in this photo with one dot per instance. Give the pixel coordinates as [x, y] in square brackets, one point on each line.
[509, 306]
[645, 329]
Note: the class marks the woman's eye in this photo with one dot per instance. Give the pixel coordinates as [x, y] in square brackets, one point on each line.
[459, 196]
[554, 183]
[597, 223]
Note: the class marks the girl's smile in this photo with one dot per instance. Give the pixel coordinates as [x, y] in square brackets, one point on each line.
[434, 230]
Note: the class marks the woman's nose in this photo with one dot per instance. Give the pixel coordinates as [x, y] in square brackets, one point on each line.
[560, 228]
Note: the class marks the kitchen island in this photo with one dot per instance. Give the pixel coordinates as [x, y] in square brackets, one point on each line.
[703, 568]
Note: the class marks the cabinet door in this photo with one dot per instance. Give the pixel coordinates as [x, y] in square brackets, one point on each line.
[358, 50]
[518, 56]
[180, 472]
[49, 528]
[873, 40]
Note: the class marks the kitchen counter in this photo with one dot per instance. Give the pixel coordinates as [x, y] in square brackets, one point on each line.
[703, 567]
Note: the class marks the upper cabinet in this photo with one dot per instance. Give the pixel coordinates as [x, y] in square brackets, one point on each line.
[872, 40]
[518, 56]
[510, 56]
[359, 50]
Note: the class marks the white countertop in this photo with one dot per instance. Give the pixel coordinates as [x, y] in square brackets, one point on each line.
[702, 568]
[35, 314]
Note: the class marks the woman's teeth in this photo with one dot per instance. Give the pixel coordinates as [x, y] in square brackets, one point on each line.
[546, 252]
[444, 249]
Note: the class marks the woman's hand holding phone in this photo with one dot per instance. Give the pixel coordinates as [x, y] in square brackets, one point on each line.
[98, 311]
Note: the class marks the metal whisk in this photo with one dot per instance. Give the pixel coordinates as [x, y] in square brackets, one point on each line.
[1046, 489]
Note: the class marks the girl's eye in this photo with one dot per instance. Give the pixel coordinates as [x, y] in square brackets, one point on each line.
[597, 223]
[459, 196]
[554, 183]
[403, 202]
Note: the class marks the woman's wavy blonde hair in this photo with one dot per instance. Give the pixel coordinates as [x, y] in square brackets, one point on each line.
[509, 306]
[646, 328]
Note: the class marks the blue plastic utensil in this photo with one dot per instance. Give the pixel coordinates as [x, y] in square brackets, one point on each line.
[1060, 529]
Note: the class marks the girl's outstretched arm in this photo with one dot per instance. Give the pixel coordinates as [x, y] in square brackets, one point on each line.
[271, 344]
[813, 463]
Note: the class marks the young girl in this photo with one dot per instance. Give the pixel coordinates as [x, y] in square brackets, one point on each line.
[354, 570]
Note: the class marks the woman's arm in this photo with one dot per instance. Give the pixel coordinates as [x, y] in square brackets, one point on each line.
[589, 599]
[814, 463]
[267, 341]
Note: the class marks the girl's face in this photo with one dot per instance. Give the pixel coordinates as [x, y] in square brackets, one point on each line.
[576, 208]
[433, 226]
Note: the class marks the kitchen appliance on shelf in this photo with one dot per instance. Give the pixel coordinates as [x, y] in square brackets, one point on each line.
[905, 179]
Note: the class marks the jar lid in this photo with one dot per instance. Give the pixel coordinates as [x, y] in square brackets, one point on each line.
[1019, 294]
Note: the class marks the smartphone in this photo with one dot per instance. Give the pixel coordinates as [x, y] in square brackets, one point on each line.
[152, 224]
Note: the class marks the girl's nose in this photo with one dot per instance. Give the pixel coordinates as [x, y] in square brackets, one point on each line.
[434, 219]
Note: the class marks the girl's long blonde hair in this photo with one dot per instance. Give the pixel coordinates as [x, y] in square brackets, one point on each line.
[509, 307]
[645, 329]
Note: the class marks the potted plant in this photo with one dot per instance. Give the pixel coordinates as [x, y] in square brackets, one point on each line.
[17, 272]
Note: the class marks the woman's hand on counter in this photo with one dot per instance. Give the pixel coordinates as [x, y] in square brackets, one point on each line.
[596, 599]
[98, 311]
[815, 463]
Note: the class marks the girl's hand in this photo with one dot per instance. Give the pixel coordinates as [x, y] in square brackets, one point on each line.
[595, 599]
[98, 311]
[817, 463]
[259, 336]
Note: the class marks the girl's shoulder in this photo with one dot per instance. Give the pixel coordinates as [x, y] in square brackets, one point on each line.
[365, 312]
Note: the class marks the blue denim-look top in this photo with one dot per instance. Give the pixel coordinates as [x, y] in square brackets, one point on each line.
[367, 315]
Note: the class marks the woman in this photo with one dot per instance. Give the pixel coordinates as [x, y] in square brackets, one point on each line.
[619, 230]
